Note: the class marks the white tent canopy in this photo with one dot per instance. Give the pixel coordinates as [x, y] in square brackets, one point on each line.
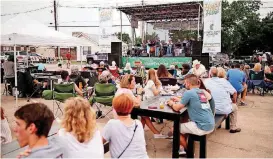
[22, 30]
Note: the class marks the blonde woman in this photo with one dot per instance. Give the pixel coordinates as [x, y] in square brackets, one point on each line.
[221, 72]
[79, 130]
[257, 67]
[153, 85]
[127, 84]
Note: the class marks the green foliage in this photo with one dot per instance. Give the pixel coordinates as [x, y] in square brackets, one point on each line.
[125, 37]
[138, 41]
[152, 36]
[240, 25]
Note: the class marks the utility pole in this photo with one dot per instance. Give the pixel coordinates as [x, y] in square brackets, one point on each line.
[142, 27]
[56, 24]
[55, 15]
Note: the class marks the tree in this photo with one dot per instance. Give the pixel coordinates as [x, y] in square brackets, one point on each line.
[138, 41]
[125, 37]
[152, 36]
[237, 19]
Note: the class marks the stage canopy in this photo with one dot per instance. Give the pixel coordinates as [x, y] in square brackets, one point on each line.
[164, 12]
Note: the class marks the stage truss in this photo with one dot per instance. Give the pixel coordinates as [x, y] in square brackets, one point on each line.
[172, 16]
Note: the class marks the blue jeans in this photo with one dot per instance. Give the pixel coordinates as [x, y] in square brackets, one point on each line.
[157, 51]
[169, 50]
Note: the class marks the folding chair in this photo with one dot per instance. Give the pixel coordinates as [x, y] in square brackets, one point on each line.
[61, 92]
[269, 85]
[104, 94]
[256, 81]
[139, 80]
[168, 81]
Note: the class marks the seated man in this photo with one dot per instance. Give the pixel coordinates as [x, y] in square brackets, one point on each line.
[76, 77]
[65, 80]
[198, 107]
[238, 80]
[221, 90]
[33, 123]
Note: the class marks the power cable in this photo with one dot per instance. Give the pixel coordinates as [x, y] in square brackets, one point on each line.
[29, 11]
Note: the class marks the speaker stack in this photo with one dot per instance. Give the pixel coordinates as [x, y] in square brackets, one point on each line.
[116, 53]
[198, 55]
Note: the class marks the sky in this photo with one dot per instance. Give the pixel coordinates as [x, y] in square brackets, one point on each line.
[86, 16]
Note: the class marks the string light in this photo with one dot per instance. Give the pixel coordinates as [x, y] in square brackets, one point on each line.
[29, 11]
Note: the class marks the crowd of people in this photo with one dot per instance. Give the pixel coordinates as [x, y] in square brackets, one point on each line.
[208, 92]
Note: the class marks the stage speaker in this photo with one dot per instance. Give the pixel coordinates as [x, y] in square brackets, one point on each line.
[116, 48]
[204, 59]
[197, 47]
[115, 58]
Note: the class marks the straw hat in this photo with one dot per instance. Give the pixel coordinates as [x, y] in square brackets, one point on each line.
[195, 62]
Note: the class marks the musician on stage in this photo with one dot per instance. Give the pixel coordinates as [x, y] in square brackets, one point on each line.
[169, 48]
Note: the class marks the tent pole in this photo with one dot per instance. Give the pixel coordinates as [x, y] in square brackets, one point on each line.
[81, 56]
[27, 55]
[198, 27]
[121, 26]
[15, 71]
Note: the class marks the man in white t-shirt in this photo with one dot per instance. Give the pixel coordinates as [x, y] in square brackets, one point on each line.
[264, 59]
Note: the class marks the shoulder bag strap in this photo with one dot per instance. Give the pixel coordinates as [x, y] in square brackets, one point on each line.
[130, 141]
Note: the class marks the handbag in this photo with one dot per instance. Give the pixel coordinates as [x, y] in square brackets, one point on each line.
[129, 142]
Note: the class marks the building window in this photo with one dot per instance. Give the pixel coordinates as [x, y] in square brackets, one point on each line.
[86, 50]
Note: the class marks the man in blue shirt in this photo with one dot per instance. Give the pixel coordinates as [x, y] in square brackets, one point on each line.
[237, 79]
[199, 110]
[41, 67]
[221, 90]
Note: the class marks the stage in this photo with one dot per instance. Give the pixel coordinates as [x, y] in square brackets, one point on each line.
[154, 62]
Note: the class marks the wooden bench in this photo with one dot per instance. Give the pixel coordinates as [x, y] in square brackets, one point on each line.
[203, 139]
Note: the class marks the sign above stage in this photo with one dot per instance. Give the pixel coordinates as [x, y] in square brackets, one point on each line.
[154, 62]
[177, 25]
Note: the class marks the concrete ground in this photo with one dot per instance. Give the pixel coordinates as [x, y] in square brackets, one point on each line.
[255, 140]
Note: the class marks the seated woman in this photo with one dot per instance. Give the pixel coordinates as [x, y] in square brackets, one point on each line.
[127, 84]
[173, 71]
[153, 85]
[65, 80]
[76, 77]
[256, 73]
[106, 77]
[246, 70]
[114, 70]
[101, 67]
[127, 69]
[268, 71]
[125, 135]
[162, 72]
[81, 135]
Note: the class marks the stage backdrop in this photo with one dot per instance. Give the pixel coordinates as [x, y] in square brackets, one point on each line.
[154, 62]
[212, 26]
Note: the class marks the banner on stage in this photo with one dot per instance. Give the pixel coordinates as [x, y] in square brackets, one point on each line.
[212, 26]
[105, 30]
[154, 62]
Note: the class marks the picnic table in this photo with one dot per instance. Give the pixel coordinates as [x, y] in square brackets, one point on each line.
[166, 113]
[12, 149]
